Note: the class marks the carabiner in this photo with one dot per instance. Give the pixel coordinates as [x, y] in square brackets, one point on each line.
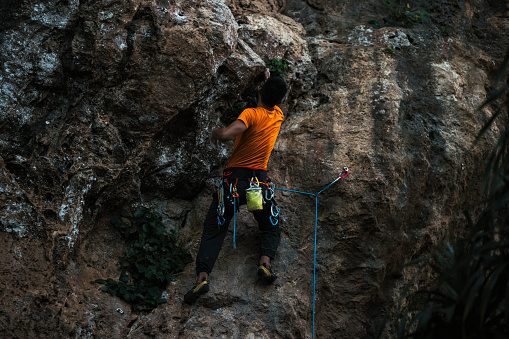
[270, 190]
[274, 223]
[220, 204]
[220, 209]
[252, 182]
[233, 191]
[219, 182]
[221, 223]
[274, 210]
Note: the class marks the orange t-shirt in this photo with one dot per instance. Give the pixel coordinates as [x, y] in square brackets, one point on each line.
[253, 147]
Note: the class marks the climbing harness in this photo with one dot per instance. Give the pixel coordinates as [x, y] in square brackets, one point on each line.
[343, 174]
[255, 200]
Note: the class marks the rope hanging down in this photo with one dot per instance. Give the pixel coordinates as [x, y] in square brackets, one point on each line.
[343, 174]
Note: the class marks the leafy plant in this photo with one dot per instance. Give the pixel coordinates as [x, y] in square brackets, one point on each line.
[151, 262]
[278, 67]
[400, 15]
[470, 296]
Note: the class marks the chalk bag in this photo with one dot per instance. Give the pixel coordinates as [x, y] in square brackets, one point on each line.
[254, 196]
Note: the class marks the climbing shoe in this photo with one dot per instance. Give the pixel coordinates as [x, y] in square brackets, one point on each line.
[196, 291]
[266, 274]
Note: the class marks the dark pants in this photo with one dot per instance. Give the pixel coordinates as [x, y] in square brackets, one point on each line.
[214, 233]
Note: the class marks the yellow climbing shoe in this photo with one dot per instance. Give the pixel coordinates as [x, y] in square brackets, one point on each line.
[196, 291]
[266, 274]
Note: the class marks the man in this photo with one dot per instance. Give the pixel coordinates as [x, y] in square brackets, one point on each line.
[255, 131]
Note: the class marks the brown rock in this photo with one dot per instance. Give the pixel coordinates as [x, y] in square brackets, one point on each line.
[106, 106]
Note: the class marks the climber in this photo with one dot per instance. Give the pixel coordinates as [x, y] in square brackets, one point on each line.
[255, 131]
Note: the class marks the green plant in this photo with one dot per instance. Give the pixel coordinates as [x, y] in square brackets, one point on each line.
[151, 262]
[400, 15]
[278, 67]
[469, 298]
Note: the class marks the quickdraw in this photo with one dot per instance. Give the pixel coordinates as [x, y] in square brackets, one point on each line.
[269, 193]
[220, 198]
[233, 191]
[274, 209]
[235, 196]
[274, 213]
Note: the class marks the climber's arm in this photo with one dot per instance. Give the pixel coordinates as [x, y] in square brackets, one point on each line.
[227, 133]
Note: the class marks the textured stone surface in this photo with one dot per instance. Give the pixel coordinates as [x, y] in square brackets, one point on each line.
[106, 106]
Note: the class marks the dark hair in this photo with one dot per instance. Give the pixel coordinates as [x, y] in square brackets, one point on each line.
[273, 90]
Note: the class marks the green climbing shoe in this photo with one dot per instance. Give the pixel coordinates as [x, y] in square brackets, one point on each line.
[266, 274]
[196, 291]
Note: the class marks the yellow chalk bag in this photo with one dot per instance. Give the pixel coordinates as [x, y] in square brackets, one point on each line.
[254, 197]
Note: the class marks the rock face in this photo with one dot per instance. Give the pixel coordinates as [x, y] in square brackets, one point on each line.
[106, 106]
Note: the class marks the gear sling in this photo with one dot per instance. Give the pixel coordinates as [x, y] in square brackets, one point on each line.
[233, 189]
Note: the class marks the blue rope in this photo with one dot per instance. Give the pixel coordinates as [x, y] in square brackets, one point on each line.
[332, 183]
[316, 233]
[284, 189]
[314, 262]
[234, 221]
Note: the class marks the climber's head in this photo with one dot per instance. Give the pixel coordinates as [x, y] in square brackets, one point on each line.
[273, 91]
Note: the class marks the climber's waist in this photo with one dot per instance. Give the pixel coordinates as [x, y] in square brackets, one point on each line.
[245, 173]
